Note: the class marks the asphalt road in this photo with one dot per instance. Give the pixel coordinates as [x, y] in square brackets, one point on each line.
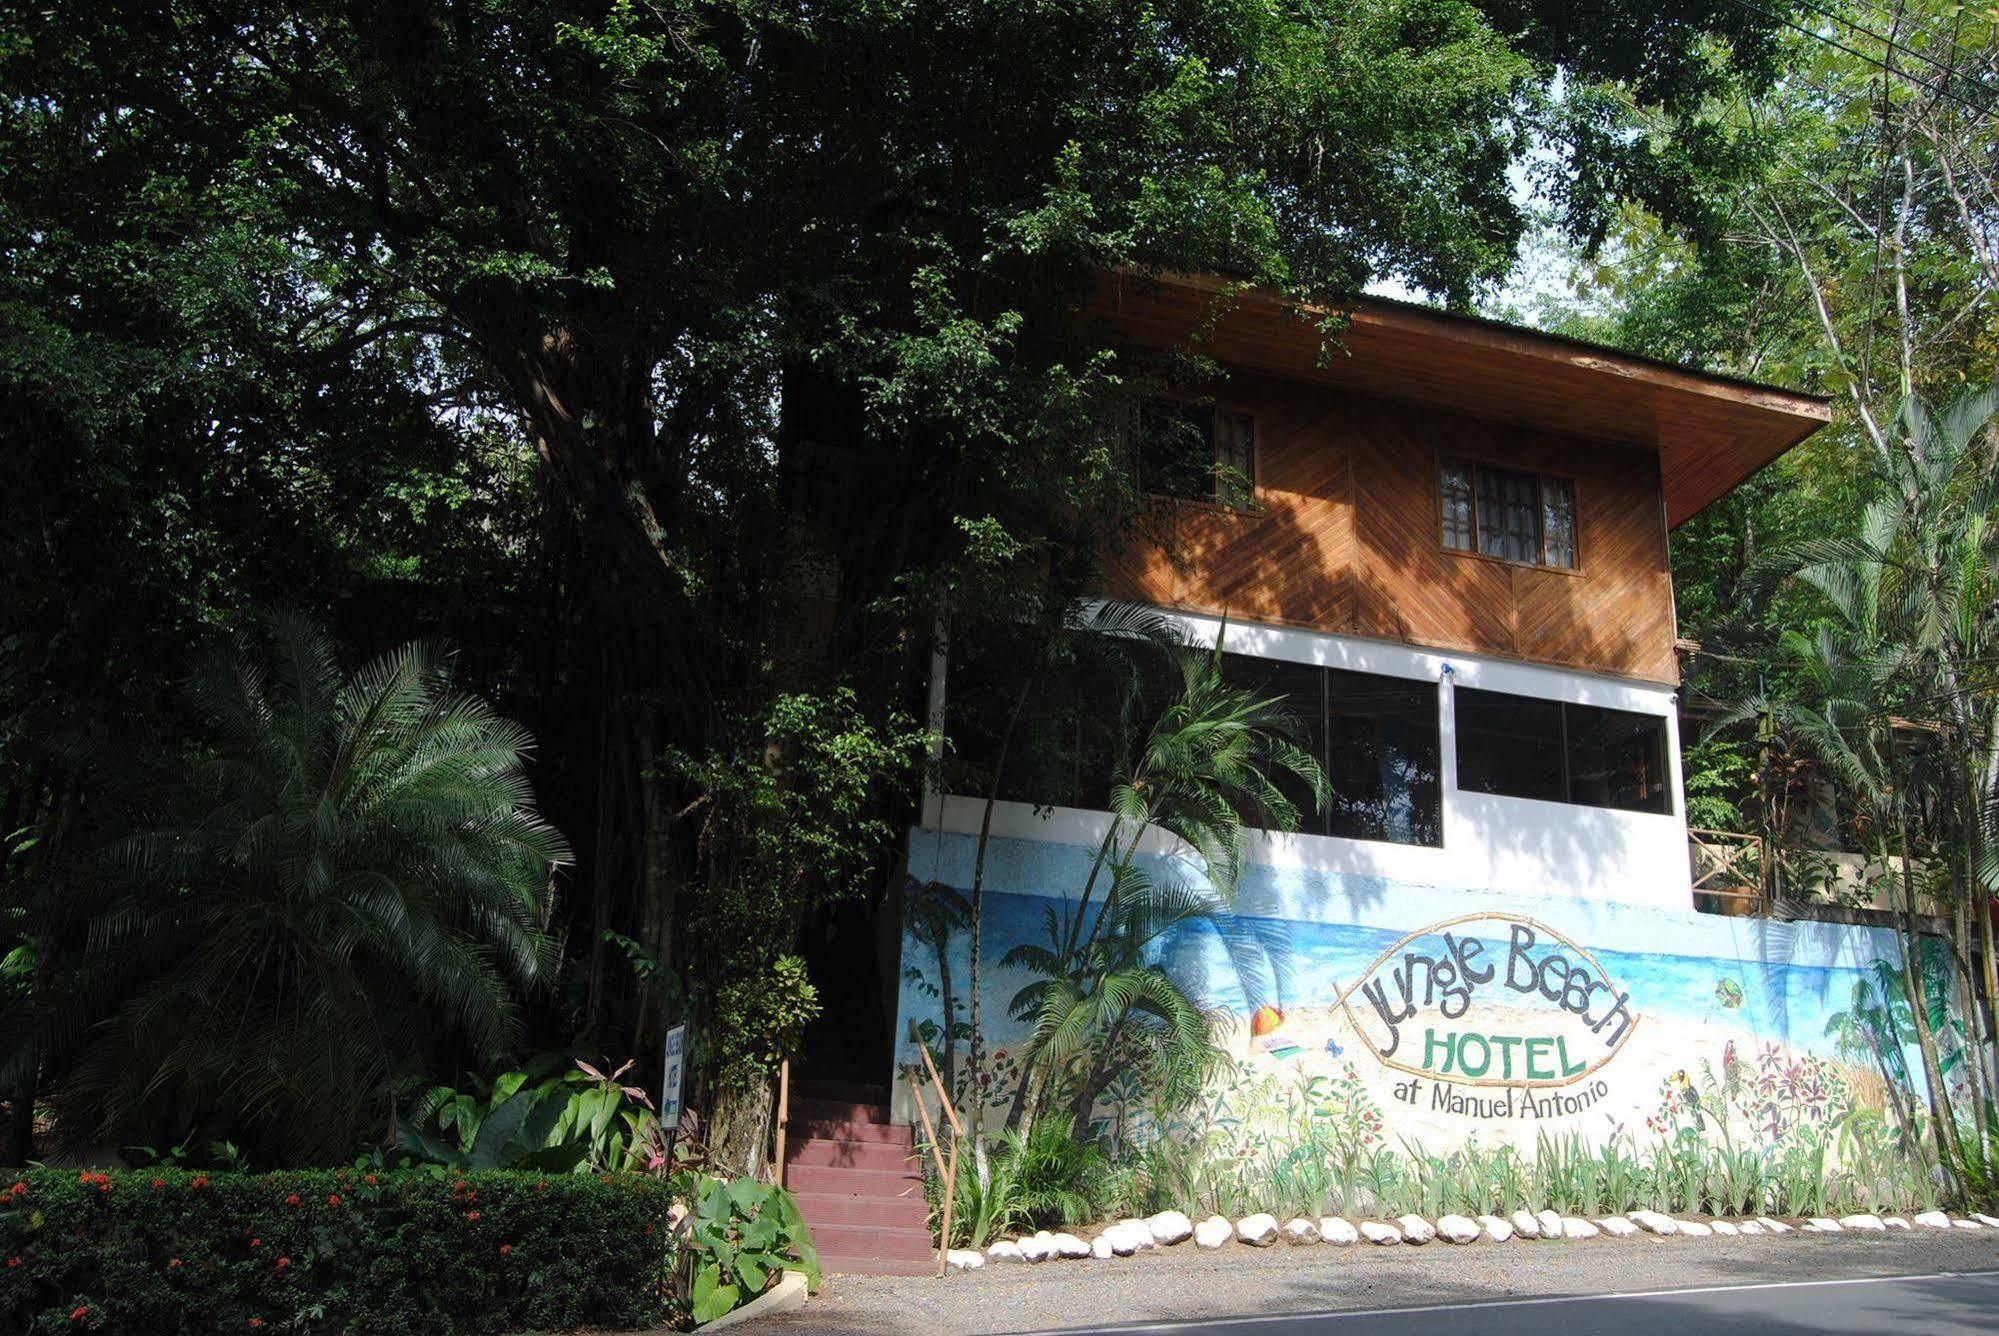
[1937, 1305]
[1924, 1282]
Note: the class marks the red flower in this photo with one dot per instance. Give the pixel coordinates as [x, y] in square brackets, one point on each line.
[506, 1249]
[333, 1199]
[200, 1181]
[13, 1262]
[292, 1200]
[256, 1243]
[284, 1262]
[369, 1180]
[19, 1189]
[256, 1322]
[159, 1183]
[474, 1215]
[174, 1264]
[79, 1313]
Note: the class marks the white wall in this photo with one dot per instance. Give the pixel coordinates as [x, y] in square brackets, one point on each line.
[1514, 845]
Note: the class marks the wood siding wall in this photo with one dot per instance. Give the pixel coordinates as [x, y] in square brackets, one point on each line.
[1345, 538]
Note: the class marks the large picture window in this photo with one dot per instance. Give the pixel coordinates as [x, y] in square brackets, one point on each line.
[1528, 518]
[1524, 747]
[1377, 739]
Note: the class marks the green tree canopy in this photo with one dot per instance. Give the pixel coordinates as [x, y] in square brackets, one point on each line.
[705, 352]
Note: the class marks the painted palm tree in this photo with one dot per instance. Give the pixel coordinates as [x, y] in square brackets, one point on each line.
[934, 912]
[345, 886]
[1872, 1029]
[1215, 754]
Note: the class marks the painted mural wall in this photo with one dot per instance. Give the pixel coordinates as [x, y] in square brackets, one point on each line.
[1431, 1016]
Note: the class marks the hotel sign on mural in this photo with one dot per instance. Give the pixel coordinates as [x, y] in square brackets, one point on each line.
[1492, 1000]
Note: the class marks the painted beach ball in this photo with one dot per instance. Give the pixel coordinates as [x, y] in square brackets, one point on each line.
[1729, 993]
[1264, 1020]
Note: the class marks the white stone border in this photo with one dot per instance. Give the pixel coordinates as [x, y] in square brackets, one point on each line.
[1262, 1230]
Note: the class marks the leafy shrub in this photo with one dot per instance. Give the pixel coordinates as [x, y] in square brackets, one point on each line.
[1034, 1179]
[740, 1235]
[556, 1116]
[168, 1250]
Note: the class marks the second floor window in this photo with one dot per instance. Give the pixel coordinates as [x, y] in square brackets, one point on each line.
[1528, 518]
[1194, 452]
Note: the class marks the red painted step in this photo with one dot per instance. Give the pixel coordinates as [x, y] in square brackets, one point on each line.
[837, 1129]
[831, 1153]
[840, 1110]
[833, 1208]
[855, 1248]
[836, 1181]
[857, 1175]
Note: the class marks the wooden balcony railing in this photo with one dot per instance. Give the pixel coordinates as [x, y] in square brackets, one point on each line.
[1729, 871]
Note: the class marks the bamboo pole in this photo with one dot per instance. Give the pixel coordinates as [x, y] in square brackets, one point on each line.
[783, 1112]
[937, 1154]
[943, 1095]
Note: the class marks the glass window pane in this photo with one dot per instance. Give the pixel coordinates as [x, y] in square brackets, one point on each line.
[1176, 451]
[1509, 745]
[1509, 515]
[1558, 522]
[1301, 685]
[1382, 749]
[1455, 505]
[1235, 458]
[1618, 759]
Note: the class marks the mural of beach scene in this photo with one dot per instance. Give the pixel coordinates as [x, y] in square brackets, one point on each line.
[1399, 1015]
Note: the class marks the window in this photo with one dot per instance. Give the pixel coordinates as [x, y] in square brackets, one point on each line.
[1522, 517]
[1523, 747]
[1196, 453]
[1376, 738]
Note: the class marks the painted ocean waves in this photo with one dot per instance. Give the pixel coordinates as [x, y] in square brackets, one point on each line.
[1441, 1018]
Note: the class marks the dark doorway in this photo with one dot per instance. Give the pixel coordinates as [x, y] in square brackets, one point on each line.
[842, 954]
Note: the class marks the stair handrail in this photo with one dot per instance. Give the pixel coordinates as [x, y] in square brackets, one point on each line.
[950, 1173]
[783, 1112]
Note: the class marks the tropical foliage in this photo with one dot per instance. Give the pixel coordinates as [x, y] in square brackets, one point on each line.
[168, 1249]
[555, 1117]
[1210, 760]
[734, 1241]
[686, 371]
[1845, 593]
[339, 886]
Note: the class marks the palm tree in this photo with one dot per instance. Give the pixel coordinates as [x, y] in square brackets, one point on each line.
[344, 882]
[1913, 633]
[1214, 755]
[1070, 641]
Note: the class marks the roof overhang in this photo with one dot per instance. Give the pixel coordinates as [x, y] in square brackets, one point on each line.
[1710, 432]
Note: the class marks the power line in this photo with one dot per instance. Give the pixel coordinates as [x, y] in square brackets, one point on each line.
[1886, 39]
[1924, 84]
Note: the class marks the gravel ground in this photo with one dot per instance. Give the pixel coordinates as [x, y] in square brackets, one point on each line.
[1185, 1283]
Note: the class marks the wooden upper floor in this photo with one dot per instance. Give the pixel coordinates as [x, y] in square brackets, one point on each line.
[1434, 480]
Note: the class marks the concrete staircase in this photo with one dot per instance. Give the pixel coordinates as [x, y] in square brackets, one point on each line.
[856, 1176]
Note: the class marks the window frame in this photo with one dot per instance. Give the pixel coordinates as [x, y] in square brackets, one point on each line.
[1251, 503]
[1675, 798]
[1475, 464]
